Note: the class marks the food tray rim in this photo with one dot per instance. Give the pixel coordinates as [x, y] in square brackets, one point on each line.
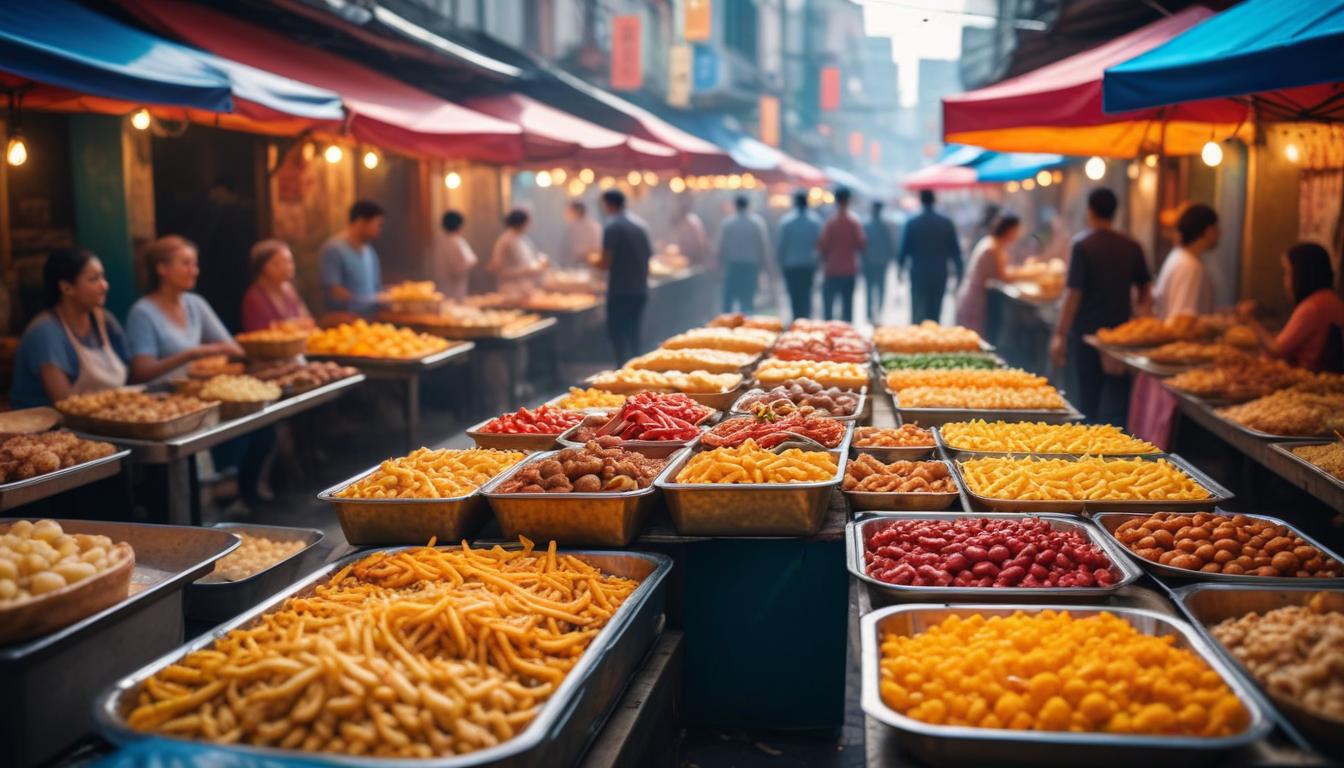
[120, 454]
[313, 537]
[955, 453]
[489, 489]
[859, 406]
[1286, 447]
[841, 452]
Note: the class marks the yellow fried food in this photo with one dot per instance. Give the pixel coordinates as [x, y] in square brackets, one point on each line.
[1043, 397]
[579, 399]
[37, 558]
[1085, 479]
[412, 290]
[1290, 412]
[1027, 437]
[774, 372]
[687, 360]
[254, 555]
[432, 474]
[415, 653]
[928, 336]
[365, 339]
[130, 405]
[748, 463]
[1049, 671]
[30, 455]
[694, 382]
[748, 340]
[1329, 457]
[970, 378]
[239, 389]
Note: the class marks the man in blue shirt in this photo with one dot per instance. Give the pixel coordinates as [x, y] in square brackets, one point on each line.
[351, 276]
[877, 254]
[744, 247]
[928, 243]
[625, 255]
[798, 233]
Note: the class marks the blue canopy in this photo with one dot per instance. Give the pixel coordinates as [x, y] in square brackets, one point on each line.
[962, 154]
[1255, 47]
[1015, 166]
[63, 44]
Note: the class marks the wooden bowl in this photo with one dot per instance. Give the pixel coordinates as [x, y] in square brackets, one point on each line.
[47, 613]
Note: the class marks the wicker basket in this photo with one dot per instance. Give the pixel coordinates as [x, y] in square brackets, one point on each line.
[274, 350]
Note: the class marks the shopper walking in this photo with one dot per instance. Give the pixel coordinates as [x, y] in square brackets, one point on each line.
[1182, 288]
[799, 231]
[989, 261]
[351, 275]
[878, 254]
[743, 248]
[928, 244]
[1108, 281]
[626, 250]
[842, 240]
[451, 258]
[583, 237]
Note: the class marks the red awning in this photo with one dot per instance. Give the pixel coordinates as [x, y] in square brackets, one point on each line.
[552, 134]
[940, 177]
[383, 110]
[1029, 113]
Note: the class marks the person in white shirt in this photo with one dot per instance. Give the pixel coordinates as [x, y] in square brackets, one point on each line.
[514, 261]
[451, 258]
[583, 236]
[1182, 288]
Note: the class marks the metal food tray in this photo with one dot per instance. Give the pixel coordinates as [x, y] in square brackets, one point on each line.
[719, 401]
[936, 417]
[958, 453]
[409, 364]
[860, 408]
[1109, 521]
[600, 519]
[511, 441]
[1257, 434]
[1217, 495]
[558, 735]
[771, 509]
[882, 593]
[882, 370]
[1209, 604]
[554, 402]
[654, 449]
[46, 683]
[145, 430]
[237, 409]
[214, 600]
[1286, 449]
[888, 454]
[20, 492]
[964, 745]
[869, 501]
[812, 445]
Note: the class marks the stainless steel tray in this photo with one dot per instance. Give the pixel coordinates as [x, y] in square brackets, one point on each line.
[654, 449]
[860, 408]
[958, 453]
[1217, 495]
[1209, 604]
[1109, 521]
[145, 430]
[558, 735]
[1257, 434]
[46, 684]
[507, 441]
[878, 357]
[902, 502]
[889, 454]
[603, 519]
[22, 492]
[961, 745]
[396, 364]
[719, 401]
[845, 437]
[880, 592]
[777, 509]
[214, 600]
[936, 417]
[1286, 449]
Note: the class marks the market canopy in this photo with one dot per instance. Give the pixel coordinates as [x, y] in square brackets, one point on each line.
[551, 134]
[940, 176]
[1286, 52]
[1015, 166]
[1058, 108]
[382, 110]
[64, 56]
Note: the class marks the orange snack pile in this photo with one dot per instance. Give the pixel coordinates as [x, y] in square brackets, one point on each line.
[364, 339]
[1049, 671]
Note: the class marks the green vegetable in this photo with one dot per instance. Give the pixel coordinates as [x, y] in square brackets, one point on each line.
[939, 360]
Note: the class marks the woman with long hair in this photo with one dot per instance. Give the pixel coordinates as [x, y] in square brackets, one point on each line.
[1314, 335]
[989, 261]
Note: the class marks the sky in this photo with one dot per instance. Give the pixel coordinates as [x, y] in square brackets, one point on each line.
[919, 29]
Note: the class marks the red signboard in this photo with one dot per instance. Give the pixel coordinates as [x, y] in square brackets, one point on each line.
[627, 65]
[770, 120]
[830, 89]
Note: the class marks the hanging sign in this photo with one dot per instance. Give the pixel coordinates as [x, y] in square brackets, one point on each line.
[627, 70]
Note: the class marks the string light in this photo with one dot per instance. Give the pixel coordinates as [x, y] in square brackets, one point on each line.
[1028, 185]
[309, 151]
[333, 153]
[606, 183]
[1211, 154]
[1292, 153]
[140, 119]
[587, 175]
[1150, 161]
[543, 179]
[734, 182]
[1012, 186]
[677, 185]
[1057, 176]
[828, 197]
[651, 178]
[1044, 179]
[576, 187]
[1132, 171]
[748, 181]
[17, 151]
[452, 180]
[558, 176]
[634, 178]
[1095, 168]
[370, 159]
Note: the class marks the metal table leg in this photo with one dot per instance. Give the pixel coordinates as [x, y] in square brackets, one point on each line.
[412, 411]
[179, 476]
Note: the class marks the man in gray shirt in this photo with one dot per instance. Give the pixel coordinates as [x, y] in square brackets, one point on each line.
[798, 233]
[743, 247]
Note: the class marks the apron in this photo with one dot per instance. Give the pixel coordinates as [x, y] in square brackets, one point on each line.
[99, 369]
[1152, 411]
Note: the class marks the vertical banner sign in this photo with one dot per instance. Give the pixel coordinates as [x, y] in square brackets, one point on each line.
[875, 152]
[704, 69]
[830, 89]
[699, 20]
[627, 70]
[679, 76]
[770, 120]
[856, 144]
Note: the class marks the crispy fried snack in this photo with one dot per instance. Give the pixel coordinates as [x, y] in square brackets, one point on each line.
[1027, 437]
[365, 339]
[430, 474]
[752, 341]
[1042, 398]
[1290, 413]
[967, 378]
[1088, 478]
[773, 372]
[904, 436]
[928, 336]
[748, 463]
[867, 474]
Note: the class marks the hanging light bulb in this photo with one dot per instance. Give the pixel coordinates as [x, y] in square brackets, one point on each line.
[634, 178]
[587, 175]
[17, 151]
[140, 119]
[1211, 154]
[558, 176]
[1057, 176]
[1028, 185]
[309, 151]
[1095, 168]
[1011, 187]
[370, 159]
[1044, 178]
[452, 180]
[651, 178]
[677, 185]
[576, 187]
[734, 182]
[1132, 171]
[828, 197]
[1150, 160]
[333, 153]
[1292, 153]
[606, 183]
[543, 179]
[748, 181]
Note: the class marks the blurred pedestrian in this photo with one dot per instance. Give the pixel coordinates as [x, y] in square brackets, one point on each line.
[626, 250]
[878, 254]
[1107, 283]
[744, 247]
[928, 244]
[842, 240]
[451, 258]
[799, 231]
[583, 237]
[351, 274]
[691, 238]
[272, 298]
[989, 261]
[1314, 336]
[514, 260]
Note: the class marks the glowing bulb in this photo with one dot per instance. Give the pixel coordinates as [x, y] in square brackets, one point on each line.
[734, 182]
[1132, 171]
[828, 198]
[587, 176]
[1211, 154]
[140, 119]
[814, 193]
[1057, 176]
[1044, 178]
[606, 183]
[1095, 168]
[17, 153]
[309, 151]
[576, 187]
[370, 160]
[1150, 161]
[677, 185]
[543, 179]
[453, 180]
[748, 181]
[558, 176]
[333, 154]
[651, 178]
[1292, 153]
[1028, 185]
[635, 178]
[1012, 186]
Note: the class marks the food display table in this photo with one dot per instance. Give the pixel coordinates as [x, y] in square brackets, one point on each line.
[407, 371]
[22, 492]
[508, 345]
[178, 455]
[1024, 324]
